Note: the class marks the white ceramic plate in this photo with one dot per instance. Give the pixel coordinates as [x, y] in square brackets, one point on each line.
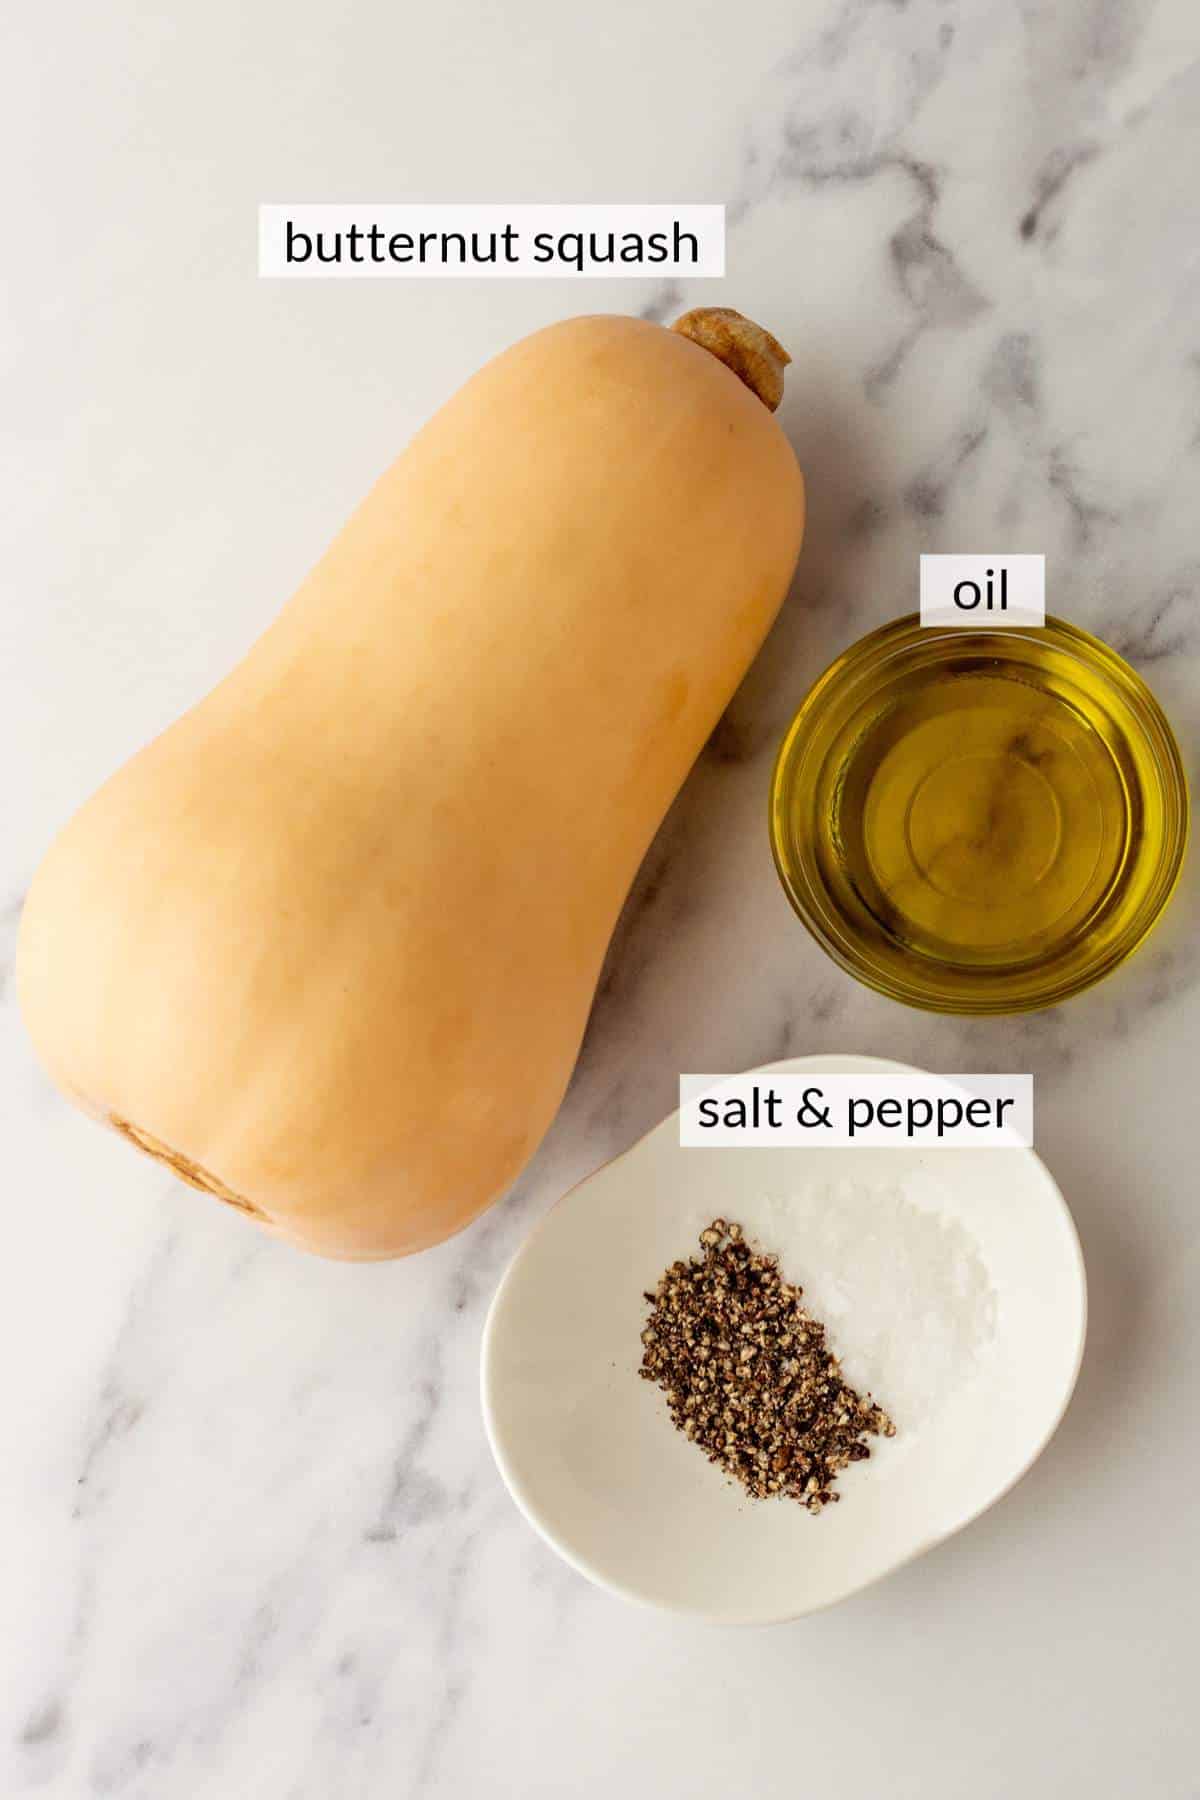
[952, 1286]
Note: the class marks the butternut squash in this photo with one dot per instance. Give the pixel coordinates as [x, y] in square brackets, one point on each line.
[328, 945]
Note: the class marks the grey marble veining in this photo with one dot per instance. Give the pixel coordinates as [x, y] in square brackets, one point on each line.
[251, 1540]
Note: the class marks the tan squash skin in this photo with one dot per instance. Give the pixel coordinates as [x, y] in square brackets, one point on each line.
[328, 945]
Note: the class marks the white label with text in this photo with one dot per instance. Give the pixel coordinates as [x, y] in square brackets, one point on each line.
[943, 1112]
[982, 591]
[307, 241]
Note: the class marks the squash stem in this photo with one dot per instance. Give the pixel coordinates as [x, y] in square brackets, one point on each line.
[753, 354]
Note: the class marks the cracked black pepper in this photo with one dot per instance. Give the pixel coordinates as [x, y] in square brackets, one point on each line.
[748, 1375]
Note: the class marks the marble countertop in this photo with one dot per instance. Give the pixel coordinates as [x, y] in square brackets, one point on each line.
[252, 1542]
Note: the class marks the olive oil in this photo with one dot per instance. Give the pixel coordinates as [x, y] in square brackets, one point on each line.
[979, 821]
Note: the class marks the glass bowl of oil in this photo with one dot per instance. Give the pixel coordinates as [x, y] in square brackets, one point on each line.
[979, 821]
